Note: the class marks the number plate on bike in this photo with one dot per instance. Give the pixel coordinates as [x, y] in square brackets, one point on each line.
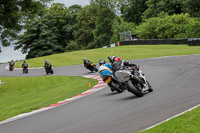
[108, 80]
[92, 64]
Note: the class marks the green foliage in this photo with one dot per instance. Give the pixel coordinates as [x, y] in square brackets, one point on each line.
[84, 28]
[155, 7]
[119, 25]
[192, 7]
[132, 10]
[72, 46]
[48, 34]
[185, 123]
[110, 4]
[103, 30]
[165, 26]
[12, 14]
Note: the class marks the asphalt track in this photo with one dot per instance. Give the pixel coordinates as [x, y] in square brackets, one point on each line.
[176, 83]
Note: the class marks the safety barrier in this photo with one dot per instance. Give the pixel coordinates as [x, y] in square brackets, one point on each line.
[190, 42]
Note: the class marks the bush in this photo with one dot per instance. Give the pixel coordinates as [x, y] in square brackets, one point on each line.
[165, 26]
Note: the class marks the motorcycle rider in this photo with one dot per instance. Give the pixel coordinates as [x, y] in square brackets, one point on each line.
[121, 64]
[11, 65]
[110, 58]
[105, 69]
[86, 63]
[47, 64]
[24, 65]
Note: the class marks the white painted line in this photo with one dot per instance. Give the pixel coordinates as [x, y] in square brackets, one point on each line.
[172, 117]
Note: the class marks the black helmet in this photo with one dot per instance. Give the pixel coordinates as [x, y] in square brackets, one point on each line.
[102, 61]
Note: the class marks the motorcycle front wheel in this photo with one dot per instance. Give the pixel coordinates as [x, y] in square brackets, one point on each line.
[133, 89]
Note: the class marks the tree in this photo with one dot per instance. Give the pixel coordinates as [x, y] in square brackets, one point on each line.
[48, 34]
[119, 25]
[84, 29]
[12, 14]
[104, 21]
[192, 7]
[166, 26]
[155, 7]
[132, 10]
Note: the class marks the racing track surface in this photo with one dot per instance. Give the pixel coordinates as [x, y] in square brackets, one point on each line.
[176, 82]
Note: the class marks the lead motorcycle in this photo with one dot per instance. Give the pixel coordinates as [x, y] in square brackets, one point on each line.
[11, 67]
[25, 69]
[135, 80]
[48, 69]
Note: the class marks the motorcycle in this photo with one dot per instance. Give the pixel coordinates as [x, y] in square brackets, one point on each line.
[25, 69]
[92, 67]
[135, 80]
[48, 69]
[113, 83]
[11, 67]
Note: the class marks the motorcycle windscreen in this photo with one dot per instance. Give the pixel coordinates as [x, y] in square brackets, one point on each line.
[123, 75]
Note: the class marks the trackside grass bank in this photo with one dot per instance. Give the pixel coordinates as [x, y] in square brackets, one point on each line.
[24, 94]
[125, 52]
[186, 123]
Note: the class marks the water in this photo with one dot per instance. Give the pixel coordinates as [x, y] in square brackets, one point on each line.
[8, 54]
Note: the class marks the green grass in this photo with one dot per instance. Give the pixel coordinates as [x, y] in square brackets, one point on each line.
[186, 123]
[24, 94]
[125, 52]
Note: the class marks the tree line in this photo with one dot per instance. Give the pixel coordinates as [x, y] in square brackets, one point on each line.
[59, 28]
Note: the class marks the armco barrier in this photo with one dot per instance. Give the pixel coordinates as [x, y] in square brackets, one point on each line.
[154, 42]
[194, 42]
[189, 41]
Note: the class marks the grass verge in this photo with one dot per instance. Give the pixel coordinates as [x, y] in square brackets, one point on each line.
[186, 123]
[24, 94]
[125, 52]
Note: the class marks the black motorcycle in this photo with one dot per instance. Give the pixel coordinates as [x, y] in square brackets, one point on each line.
[48, 69]
[11, 66]
[92, 67]
[113, 83]
[25, 69]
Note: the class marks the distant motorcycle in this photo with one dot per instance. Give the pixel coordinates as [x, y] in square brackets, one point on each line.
[25, 69]
[11, 66]
[92, 67]
[135, 80]
[48, 69]
[113, 83]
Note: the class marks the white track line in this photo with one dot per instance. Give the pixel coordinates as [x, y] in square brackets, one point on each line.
[172, 117]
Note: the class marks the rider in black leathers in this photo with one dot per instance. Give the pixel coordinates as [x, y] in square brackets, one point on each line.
[12, 63]
[86, 63]
[47, 64]
[25, 65]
